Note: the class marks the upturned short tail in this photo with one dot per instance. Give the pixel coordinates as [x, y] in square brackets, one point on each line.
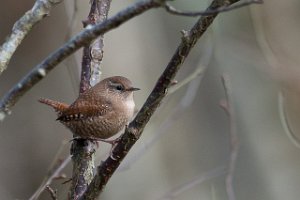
[58, 106]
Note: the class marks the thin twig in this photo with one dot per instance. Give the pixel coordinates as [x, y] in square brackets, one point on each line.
[57, 158]
[22, 27]
[175, 11]
[49, 180]
[275, 63]
[53, 192]
[285, 121]
[172, 194]
[81, 39]
[198, 72]
[227, 105]
[72, 21]
[71, 63]
[134, 130]
[55, 164]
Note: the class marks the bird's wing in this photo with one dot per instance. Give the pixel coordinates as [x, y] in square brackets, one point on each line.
[83, 111]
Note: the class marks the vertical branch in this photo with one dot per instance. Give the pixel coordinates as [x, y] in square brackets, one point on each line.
[93, 53]
[227, 105]
[102, 7]
[83, 156]
[83, 151]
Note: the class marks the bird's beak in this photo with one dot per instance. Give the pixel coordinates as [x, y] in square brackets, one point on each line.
[133, 89]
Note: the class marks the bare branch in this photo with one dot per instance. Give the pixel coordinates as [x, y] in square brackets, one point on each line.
[22, 27]
[275, 63]
[285, 121]
[175, 11]
[83, 152]
[136, 127]
[227, 105]
[81, 39]
[198, 72]
[83, 157]
[193, 182]
[93, 53]
[52, 171]
[50, 178]
[53, 193]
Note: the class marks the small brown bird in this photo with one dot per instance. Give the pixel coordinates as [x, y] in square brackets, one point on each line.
[101, 111]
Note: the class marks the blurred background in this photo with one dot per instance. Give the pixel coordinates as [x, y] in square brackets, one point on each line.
[185, 149]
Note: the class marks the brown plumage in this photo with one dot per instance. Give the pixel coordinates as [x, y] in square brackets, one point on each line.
[99, 112]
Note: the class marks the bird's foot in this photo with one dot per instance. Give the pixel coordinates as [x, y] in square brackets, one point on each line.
[80, 139]
[113, 143]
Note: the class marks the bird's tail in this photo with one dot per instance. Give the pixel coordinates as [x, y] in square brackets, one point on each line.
[58, 106]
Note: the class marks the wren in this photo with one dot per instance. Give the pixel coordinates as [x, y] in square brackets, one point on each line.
[101, 111]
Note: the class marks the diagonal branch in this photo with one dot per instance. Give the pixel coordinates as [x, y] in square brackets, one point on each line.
[184, 187]
[55, 173]
[135, 128]
[81, 39]
[22, 27]
[52, 192]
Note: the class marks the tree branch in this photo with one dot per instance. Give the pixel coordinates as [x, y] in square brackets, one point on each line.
[53, 173]
[93, 53]
[52, 192]
[136, 127]
[81, 39]
[195, 181]
[83, 151]
[274, 62]
[284, 118]
[83, 156]
[227, 105]
[22, 27]
[175, 11]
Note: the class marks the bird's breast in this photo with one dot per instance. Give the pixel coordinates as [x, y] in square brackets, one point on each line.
[130, 107]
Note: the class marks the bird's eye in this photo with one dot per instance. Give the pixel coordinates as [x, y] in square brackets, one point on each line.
[119, 87]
